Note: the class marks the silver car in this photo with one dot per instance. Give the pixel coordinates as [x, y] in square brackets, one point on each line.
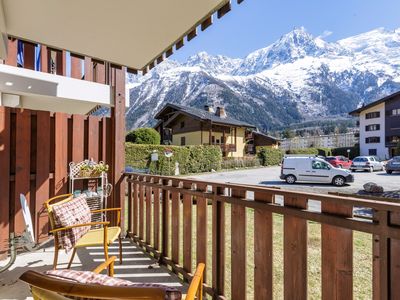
[393, 165]
[367, 163]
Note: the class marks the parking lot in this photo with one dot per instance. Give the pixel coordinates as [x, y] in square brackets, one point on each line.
[269, 176]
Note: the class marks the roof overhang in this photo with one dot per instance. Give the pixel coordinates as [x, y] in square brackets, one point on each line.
[131, 33]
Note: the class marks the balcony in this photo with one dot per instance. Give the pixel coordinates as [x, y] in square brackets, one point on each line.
[258, 242]
[228, 147]
[59, 81]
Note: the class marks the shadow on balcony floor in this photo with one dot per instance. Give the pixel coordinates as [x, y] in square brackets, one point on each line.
[135, 267]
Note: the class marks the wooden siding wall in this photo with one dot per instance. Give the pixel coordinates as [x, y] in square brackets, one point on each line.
[35, 149]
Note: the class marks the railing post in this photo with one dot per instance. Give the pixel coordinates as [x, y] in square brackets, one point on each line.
[135, 206]
[238, 247]
[11, 58]
[263, 263]
[187, 228]
[381, 259]
[218, 244]
[337, 255]
[130, 205]
[295, 251]
[156, 216]
[165, 219]
[141, 207]
[149, 194]
[201, 228]
[175, 222]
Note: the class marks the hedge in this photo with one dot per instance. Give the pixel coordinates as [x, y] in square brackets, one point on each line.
[354, 151]
[191, 159]
[237, 163]
[311, 151]
[269, 156]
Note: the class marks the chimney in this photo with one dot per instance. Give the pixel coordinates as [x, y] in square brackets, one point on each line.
[220, 112]
[209, 108]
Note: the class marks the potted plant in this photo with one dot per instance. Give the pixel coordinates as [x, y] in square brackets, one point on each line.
[93, 169]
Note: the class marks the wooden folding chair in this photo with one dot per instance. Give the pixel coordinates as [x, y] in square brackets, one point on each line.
[95, 237]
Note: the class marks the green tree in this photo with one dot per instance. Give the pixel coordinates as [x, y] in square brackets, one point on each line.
[287, 134]
[144, 136]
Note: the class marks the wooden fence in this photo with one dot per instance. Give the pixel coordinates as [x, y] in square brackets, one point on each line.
[35, 149]
[184, 222]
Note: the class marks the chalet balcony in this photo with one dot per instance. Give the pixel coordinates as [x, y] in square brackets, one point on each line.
[228, 147]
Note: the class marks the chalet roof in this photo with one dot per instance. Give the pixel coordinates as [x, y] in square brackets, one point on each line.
[372, 104]
[202, 114]
[266, 135]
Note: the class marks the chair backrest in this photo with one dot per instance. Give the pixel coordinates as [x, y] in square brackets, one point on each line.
[196, 286]
[49, 288]
[54, 201]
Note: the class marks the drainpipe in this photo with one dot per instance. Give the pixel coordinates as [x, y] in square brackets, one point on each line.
[13, 253]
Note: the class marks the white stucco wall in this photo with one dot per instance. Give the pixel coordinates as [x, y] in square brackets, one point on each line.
[382, 151]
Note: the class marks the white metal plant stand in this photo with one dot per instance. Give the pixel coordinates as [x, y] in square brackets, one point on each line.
[96, 199]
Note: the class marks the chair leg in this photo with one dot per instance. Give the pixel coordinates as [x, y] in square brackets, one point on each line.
[72, 258]
[120, 250]
[55, 257]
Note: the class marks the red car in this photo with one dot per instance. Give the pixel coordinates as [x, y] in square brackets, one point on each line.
[339, 161]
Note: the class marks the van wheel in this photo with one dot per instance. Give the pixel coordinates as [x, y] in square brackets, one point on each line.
[290, 179]
[389, 171]
[371, 169]
[339, 181]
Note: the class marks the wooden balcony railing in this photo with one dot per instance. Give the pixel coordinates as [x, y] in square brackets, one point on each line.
[232, 228]
[41, 58]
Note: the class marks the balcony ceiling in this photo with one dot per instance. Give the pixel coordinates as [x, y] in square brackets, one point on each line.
[125, 32]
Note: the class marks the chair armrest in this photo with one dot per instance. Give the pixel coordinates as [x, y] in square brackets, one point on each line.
[105, 209]
[117, 209]
[79, 225]
[196, 286]
[108, 264]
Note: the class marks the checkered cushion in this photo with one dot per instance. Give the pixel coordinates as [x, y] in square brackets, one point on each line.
[71, 213]
[86, 277]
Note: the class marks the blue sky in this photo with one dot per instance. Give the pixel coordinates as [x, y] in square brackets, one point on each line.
[255, 24]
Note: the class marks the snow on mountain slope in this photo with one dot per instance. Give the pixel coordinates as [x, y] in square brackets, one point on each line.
[297, 78]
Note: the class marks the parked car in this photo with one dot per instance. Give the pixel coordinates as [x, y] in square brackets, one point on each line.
[339, 161]
[313, 169]
[393, 165]
[367, 163]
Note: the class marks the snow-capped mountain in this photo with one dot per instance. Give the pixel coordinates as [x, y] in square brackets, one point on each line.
[297, 78]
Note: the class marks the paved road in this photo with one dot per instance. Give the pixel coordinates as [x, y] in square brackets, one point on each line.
[269, 176]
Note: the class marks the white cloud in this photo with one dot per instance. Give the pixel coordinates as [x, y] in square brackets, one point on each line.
[325, 34]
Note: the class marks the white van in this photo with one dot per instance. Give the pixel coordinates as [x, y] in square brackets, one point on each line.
[313, 169]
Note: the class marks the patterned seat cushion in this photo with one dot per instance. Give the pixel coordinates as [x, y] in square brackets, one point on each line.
[73, 212]
[87, 277]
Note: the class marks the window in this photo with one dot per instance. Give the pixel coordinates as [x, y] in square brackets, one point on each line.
[182, 124]
[319, 165]
[183, 141]
[222, 140]
[373, 127]
[393, 139]
[373, 115]
[213, 139]
[394, 112]
[372, 140]
[372, 152]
